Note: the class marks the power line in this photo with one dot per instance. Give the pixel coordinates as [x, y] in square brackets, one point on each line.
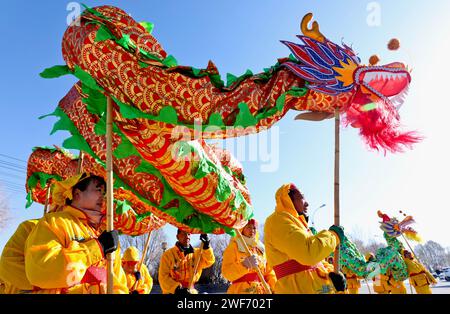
[6, 189]
[18, 170]
[13, 158]
[13, 175]
[11, 190]
[10, 164]
[15, 184]
[12, 180]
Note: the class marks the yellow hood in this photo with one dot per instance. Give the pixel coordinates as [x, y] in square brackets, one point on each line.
[284, 203]
[131, 254]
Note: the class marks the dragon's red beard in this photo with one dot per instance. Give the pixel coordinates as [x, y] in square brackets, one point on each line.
[379, 127]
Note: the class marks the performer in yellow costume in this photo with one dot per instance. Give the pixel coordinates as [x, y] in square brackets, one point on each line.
[12, 262]
[296, 255]
[138, 281]
[65, 252]
[419, 277]
[176, 269]
[239, 268]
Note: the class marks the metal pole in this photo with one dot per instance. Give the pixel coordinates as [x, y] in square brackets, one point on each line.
[314, 214]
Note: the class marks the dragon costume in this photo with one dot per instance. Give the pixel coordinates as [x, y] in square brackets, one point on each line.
[388, 260]
[45, 165]
[163, 112]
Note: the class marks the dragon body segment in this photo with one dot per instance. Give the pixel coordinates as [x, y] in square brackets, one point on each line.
[163, 111]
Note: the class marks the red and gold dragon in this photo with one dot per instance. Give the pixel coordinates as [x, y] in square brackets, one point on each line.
[163, 112]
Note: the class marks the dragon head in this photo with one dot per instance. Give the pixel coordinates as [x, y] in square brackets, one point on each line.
[394, 228]
[377, 92]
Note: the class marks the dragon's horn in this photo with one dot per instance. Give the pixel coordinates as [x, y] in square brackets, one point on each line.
[313, 32]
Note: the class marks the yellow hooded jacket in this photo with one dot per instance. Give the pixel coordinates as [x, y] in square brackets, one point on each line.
[176, 269]
[419, 275]
[145, 284]
[353, 281]
[12, 262]
[287, 237]
[233, 269]
[62, 249]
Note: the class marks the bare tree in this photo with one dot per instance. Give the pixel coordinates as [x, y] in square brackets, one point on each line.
[372, 247]
[357, 238]
[432, 255]
[154, 251]
[4, 210]
[218, 243]
[261, 232]
[360, 245]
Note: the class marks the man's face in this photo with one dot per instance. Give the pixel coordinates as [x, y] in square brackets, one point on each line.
[184, 238]
[92, 198]
[408, 255]
[249, 231]
[130, 266]
[301, 206]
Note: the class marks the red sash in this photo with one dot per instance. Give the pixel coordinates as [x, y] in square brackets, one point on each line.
[291, 267]
[250, 277]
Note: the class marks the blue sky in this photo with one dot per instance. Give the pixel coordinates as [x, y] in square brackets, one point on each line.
[241, 35]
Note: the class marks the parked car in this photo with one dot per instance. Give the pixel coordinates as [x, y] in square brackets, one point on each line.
[447, 274]
[442, 273]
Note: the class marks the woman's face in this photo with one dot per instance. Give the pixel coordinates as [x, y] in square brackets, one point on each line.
[129, 266]
[249, 231]
[92, 198]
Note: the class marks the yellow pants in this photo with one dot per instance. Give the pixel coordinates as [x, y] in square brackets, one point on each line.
[398, 288]
[353, 291]
[423, 290]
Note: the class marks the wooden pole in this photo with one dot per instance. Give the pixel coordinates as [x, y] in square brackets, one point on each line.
[109, 193]
[415, 256]
[47, 198]
[258, 271]
[337, 122]
[197, 263]
[144, 253]
[80, 162]
[412, 251]
[368, 287]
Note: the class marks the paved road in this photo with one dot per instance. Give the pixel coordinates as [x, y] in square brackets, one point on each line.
[443, 287]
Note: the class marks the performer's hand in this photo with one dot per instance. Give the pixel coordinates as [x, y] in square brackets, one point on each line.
[109, 241]
[137, 275]
[250, 262]
[339, 281]
[181, 290]
[339, 231]
[204, 238]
